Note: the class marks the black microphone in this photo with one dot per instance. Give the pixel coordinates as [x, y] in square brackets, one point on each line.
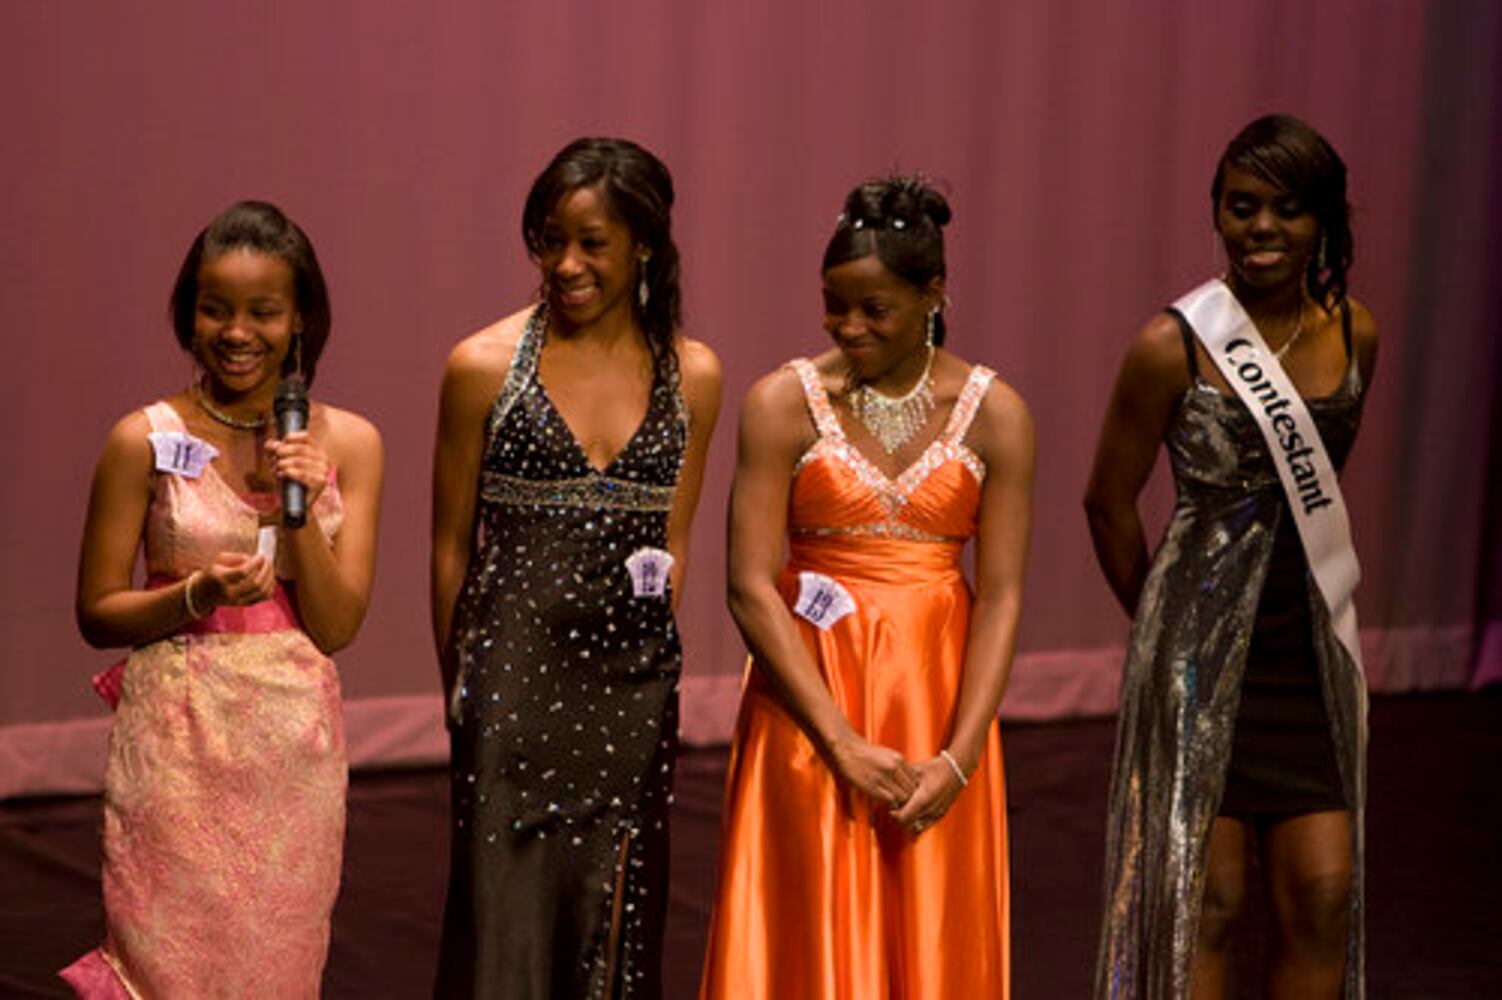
[291, 407]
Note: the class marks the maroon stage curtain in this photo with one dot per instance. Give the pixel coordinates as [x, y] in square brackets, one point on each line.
[1076, 140]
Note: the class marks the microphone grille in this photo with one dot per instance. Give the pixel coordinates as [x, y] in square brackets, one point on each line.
[291, 394]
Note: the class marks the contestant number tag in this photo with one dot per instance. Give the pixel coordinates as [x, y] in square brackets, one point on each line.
[181, 454]
[821, 600]
[649, 569]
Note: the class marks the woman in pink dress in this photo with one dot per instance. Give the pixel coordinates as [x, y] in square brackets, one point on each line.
[224, 789]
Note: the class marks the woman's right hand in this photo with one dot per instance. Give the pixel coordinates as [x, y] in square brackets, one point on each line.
[880, 773]
[234, 578]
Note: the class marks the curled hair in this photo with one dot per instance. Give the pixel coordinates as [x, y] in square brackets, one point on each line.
[1291, 155]
[901, 220]
[639, 191]
[260, 227]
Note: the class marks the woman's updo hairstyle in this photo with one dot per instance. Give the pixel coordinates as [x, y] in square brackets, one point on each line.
[901, 220]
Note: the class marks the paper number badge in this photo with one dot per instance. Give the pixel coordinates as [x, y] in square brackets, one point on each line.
[821, 599]
[181, 454]
[649, 569]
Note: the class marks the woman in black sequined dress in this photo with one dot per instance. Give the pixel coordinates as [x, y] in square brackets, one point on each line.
[570, 454]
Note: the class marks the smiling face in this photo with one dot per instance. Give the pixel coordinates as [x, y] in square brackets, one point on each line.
[244, 317]
[588, 259]
[1268, 233]
[877, 319]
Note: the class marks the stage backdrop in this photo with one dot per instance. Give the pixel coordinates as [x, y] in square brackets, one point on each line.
[1076, 140]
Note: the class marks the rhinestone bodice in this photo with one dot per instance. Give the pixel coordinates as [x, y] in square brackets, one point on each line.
[838, 491]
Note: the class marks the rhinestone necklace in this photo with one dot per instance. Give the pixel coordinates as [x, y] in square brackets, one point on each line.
[229, 420]
[894, 421]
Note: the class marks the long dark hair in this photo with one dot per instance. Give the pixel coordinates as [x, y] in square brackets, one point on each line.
[901, 220]
[262, 227]
[639, 190]
[1291, 155]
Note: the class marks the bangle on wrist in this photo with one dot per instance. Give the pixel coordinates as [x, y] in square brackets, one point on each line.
[959, 772]
[193, 612]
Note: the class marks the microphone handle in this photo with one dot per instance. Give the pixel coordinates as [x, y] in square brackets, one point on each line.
[294, 494]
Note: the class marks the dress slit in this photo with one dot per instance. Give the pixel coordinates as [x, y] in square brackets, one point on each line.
[617, 906]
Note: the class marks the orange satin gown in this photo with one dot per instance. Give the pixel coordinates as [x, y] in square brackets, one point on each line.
[821, 895]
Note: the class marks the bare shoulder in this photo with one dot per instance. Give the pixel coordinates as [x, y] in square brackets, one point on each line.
[348, 433]
[1155, 365]
[775, 423]
[699, 367]
[478, 364]
[1002, 430]
[1159, 345]
[1363, 339]
[1002, 407]
[776, 395]
[487, 352]
[128, 439]
[697, 358]
[127, 456]
[1363, 324]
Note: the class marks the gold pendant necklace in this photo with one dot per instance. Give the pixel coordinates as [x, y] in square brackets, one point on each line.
[229, 420]
[1298, 331]
[894, 422]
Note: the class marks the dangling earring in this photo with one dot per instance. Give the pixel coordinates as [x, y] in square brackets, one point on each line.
[933, 321]
[1320, 260]
[643, 292]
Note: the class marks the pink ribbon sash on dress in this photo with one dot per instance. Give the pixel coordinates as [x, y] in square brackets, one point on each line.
[276, 614]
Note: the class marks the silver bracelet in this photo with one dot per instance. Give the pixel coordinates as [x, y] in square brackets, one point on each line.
[193, 612]
[959, 772]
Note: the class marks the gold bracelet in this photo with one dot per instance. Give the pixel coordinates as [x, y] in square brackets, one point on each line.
[959, 772]
[193, 612]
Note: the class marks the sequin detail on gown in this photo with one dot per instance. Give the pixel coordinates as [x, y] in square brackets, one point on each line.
[564, 720]
[1182, 684]
[225, 782]
[821, 896]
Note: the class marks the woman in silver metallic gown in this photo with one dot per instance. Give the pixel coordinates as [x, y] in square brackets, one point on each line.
[1243, 718]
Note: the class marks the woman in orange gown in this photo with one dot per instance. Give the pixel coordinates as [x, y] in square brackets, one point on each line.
[864, 852]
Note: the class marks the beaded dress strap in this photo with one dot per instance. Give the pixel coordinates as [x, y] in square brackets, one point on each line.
[674, 384]
[825, 420]
[966, 406]
[162, 417]
[519, 374]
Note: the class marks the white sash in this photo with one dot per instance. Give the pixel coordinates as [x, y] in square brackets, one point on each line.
[1314, 498]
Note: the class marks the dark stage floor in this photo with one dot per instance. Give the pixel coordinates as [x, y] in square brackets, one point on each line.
[1434, 871]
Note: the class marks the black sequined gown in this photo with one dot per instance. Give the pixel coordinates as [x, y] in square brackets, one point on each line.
[564, 718]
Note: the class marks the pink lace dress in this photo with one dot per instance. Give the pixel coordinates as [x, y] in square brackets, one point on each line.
[224, 791]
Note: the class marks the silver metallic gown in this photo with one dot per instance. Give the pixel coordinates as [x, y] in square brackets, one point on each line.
[1182, 688]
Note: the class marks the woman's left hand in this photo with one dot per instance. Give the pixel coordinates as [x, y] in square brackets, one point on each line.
[938, 786]
[299, 458]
